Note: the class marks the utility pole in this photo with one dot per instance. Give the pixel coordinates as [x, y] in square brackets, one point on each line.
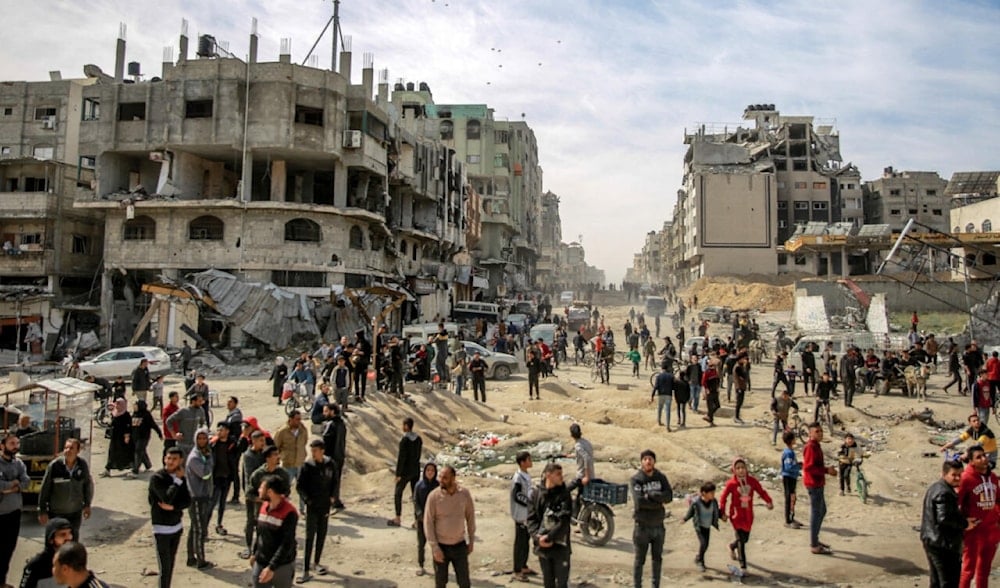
[336, 34]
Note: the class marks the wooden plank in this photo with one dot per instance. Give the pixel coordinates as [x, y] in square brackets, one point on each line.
[201, 341]
[144, 322]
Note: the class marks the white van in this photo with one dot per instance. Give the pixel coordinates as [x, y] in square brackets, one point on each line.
[419, 333]
[544, 331]
[466, 311]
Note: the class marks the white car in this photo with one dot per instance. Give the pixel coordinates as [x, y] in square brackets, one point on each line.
[123, 361]
[499, 366]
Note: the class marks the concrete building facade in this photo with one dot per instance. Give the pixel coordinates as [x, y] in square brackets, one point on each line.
[898, 196]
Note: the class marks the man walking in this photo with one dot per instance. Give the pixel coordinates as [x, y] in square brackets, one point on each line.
[168, 496]
[253, 458]
[273, 561]
[650, 491]
[200, 465]
[271, 467]
[549, 524]
[13, 482]
[663, 389]
[335, 444]
[186, 421]
[67, 488]
[942, 527]
[814, 474]
[520, 500]
[317, 487]
[141, 382]
[411, 446]
[450, 527]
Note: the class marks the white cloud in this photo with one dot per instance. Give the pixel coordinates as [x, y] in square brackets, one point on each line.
[911, 84]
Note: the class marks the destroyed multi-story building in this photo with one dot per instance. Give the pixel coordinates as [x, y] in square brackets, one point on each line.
[501, 162]
[745, 190]
[548, 270]
[273, 171]
[51, 252]
[899, 196]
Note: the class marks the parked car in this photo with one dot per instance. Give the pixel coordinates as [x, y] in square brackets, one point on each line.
[499, 366]
[520, 320]
[123, 361]
[699, 342]
[715, 314]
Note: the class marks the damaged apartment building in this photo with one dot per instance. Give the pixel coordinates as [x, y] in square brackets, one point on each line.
[51, 251]
[746, 189]
[271, 171]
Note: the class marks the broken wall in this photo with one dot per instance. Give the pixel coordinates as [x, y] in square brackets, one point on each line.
[810, 314]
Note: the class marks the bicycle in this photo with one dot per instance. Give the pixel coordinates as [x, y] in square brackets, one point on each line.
[600, 371]
[796, 425]
[299, 399]
[825, 416]
[861, 483]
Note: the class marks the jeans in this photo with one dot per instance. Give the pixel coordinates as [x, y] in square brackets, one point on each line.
[479, 384]
[779, 426]
[663, 402]
[817, 511]
[788, 483]
[740, 545]
[201, 513]
[10, 529]
[713, 405]
[532, 384]
[360, 380]
[704, 534]
[984, 414]
[283, 575]
[682, 413]
[316, 525]
[400, 486]
[293, 474]
[651, 538]
[522, 546]
[780, 377]
[740, 395]
[140, 457]
[458, 556]
[808, 381]
[460, 385]
[945, 566]
[845, 476]
[555, 563]
[219, 492]
[343, 396]
[695, 396]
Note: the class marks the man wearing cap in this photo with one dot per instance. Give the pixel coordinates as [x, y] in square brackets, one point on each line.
[477, 367]
[39, 568]
[362, 357]
[200, 466]
[186, 421]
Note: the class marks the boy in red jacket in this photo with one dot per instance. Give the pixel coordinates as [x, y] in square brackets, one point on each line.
[977, 500]
[741, 488]
[814, 473]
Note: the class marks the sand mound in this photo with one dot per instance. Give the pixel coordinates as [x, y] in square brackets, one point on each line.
[741, 294]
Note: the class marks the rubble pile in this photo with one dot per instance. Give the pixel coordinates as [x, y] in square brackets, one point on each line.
[474, 452]
[741, 294]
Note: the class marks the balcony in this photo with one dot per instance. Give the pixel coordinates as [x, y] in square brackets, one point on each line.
[27, 204]
[371, 155]
[30, 262]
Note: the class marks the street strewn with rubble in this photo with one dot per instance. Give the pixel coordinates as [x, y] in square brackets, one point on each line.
[874, 543]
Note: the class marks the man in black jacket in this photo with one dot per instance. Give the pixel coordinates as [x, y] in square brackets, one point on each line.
[407, 466]
[168, 497]
[141, 381]
[549, 524]
[335, 444]
[808, 370]
[58, 531]
[942, 527]
[650, 490]
[67, 488]
[273, 558]
[317, 487]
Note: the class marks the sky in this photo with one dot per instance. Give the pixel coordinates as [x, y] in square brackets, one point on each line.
[609, 86]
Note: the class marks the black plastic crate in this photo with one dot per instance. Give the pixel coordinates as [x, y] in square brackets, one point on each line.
[606, 493]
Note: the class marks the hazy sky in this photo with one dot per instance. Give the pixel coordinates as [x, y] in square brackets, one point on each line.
[609, 86]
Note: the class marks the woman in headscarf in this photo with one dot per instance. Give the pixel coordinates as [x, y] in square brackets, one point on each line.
[120, 452]
[278, 376]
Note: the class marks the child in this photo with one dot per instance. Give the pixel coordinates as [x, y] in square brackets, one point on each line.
[705, 512]
[741, 488]
[849, 453]
[791, 373]
[635, 357]
[791, 469]
[157, 389]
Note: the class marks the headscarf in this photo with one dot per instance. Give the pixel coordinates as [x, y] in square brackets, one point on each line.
[279, 360]
[119, 407]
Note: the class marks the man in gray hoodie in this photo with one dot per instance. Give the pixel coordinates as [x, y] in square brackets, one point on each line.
[13, 481]
[198, 475]
[187, 420]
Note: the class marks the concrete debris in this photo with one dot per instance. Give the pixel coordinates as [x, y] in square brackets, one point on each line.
[272, 315]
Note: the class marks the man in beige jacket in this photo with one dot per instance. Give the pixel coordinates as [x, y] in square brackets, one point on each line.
[291, 440]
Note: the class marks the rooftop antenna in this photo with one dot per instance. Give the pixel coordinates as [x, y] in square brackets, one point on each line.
[337, 36]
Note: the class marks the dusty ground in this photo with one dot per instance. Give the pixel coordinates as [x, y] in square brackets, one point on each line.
[874, 544]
